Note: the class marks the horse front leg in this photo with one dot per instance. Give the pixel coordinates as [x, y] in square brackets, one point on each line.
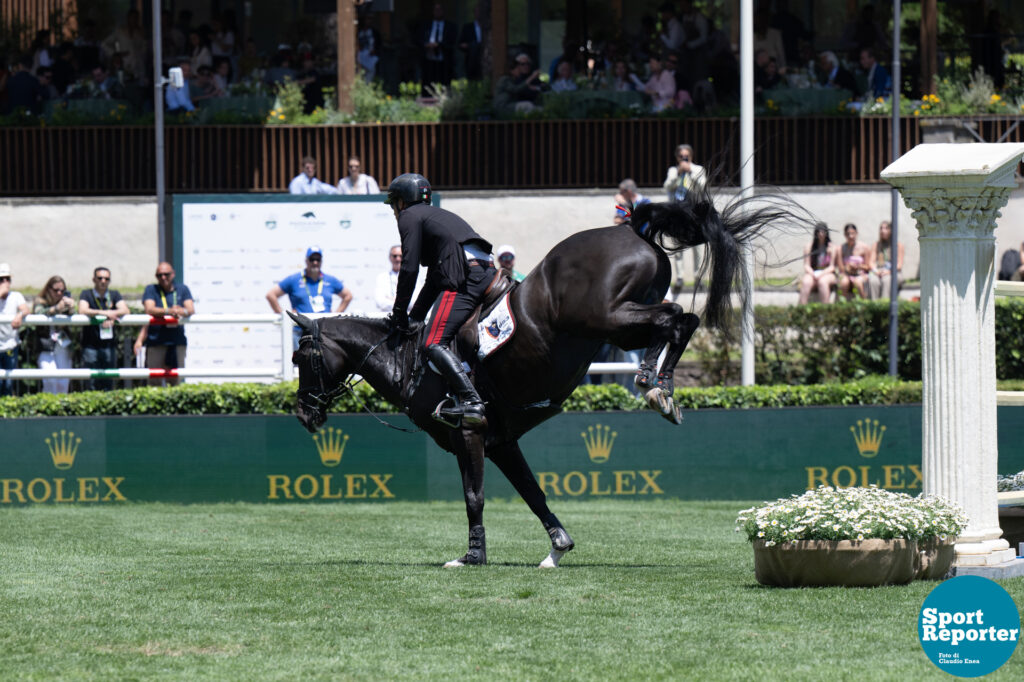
[660, 397]
[469, 450]
[509, 458]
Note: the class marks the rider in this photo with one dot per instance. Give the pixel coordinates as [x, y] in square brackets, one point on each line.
[459, 270]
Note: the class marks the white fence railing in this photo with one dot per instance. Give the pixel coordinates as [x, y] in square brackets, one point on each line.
[283, 372]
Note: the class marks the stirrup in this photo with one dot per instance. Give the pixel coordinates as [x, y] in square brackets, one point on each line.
[453, 414]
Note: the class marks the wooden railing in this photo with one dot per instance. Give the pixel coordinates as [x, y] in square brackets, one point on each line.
[110, 160]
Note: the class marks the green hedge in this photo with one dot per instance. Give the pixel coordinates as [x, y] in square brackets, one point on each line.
[280, 398]
[816, 343]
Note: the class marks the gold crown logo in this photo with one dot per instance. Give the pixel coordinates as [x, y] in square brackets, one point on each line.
[63, 448]
[599, 440]
[331, 446]
[868, 436]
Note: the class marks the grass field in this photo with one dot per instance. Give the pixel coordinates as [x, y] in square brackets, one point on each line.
[654, 590]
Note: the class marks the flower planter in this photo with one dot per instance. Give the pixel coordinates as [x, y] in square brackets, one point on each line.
[935, 558]
[817, 563]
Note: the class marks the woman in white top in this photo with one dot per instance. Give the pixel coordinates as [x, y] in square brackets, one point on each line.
[199, 53]
[357, 182]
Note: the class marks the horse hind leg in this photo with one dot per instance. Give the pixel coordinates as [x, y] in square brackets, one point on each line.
[660, 397]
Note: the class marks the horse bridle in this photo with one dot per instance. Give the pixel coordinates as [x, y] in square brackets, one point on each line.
[326, 396]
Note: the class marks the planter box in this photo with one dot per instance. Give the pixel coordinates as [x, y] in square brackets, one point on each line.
[869, 563]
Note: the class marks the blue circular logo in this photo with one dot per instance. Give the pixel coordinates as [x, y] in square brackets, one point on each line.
[968, 626]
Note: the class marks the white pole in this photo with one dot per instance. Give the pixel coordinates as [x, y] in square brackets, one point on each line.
[894, 220]
[287, 342]
[158, 129]
[747, 175]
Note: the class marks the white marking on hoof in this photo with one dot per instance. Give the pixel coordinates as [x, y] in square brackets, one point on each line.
[655, 399]
[454, 563]
[552, 559]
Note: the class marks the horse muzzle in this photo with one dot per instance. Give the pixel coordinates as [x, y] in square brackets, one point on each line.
[311, 418]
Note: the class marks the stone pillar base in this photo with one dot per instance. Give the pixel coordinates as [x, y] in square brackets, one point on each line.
[984, 553]
[1009, 569]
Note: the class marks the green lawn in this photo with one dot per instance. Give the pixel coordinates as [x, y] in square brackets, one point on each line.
[654, 590]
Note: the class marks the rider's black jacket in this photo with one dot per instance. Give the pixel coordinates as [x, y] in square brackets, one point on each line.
[432, 237]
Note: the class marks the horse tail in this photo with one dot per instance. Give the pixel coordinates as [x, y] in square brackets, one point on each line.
[728, 233]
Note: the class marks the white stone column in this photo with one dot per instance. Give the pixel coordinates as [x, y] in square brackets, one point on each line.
[955, 192]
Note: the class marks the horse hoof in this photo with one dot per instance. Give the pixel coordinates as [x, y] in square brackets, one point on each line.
[454, 563]
[552, 559]
[657, 400]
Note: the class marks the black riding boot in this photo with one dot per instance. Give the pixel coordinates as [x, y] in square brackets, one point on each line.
[469, 407]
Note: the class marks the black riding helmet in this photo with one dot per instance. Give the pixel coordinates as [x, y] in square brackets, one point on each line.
[412, 188]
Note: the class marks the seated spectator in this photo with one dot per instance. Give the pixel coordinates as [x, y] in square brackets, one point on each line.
[519, 89]
[104, 86]
[621, 79]
[856, 261]
[881, 274]
[1011, 267]
[11, 303]
[683, 176]
[506, 254]
[23, 89]
[250, 61]
[563, 81]
[879, 80]
[179, 100]
[306, 181]
[626, 200]
[45, 76]
[54, 342]
[281, 68]
[222, 76]
[819, 267]
[766, 76]
[203, 87]
[357, 182]
[199, 51]
[99, 347]
[834, 74]
[661, 86]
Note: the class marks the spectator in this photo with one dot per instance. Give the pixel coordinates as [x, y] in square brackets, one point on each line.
[856, 261]
[621, 79]
[54, 342]
[357, 182]
[368, 41]
[517, 91]
[166, 344]
[671, 35]
[626, 200]
[834, 73]
[179, 100]
[23, 89]
[223, 42]
[387, 282]
[693, 53]
[128, 40]
[12, 303]
[309, 79]
[438, 41]
[682, 98]
[250, 61]
[506, 254]
[819, 267]
[683, 176]
[40, 50]
[281, 69]
[171, 37]
[306, 182]
[222, 77]
[791, 28]
[563, 79]
[99, 347]
[64, 69]
[1011, 267]
[310, 291]
[471, 42]
[880, 278]
[661, 86]
[766, 76]
[205, 88]
[769, 39]
[199, 51]
[104, 86]
[47, 89]
[879, 80]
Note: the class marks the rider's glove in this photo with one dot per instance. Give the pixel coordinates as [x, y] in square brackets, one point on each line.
[399, 319]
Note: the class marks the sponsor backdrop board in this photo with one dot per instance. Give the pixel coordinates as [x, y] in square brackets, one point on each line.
[715, 454]
[231, 249]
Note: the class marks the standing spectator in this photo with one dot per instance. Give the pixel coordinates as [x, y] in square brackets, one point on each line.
[856, 261]
[40, 51]
[310, 291]
[563, 81]
[306, 182]
[693, 53]
[250, 61]
[835, 75]
[357, 182]
[99, 347]
[387, 282]
[471, 42]
[506, 254]
[199, 51]
[54, 342]
[517, 91]
[179, 100]
[879, 80]
[222, 43]
[661, 86]
[671, 35]
[792, 29]
[683, 176]
[1011, 265]
[23, 89]
[819, 267]
[11, 303]
[769, 39]
[166, 344]
[368, 41]
[438, 41]
[129, 40]
[881, 273]
[626, 200]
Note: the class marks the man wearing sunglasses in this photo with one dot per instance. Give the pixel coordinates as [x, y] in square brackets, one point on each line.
[165, 344]
[310, 291]
[99, 347]
[11, 303]
[507, 261]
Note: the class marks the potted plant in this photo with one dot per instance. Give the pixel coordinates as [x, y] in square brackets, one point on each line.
[851, 536]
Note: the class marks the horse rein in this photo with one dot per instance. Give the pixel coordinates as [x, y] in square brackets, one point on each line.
[324, 399]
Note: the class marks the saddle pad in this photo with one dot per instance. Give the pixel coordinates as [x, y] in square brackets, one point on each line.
[496, 329]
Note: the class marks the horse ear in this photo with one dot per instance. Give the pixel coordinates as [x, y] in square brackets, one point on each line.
[304, 322]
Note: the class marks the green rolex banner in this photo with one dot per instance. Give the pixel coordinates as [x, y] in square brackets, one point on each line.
[715, 454]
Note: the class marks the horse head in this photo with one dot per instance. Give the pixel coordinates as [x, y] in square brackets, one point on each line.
[321, 372]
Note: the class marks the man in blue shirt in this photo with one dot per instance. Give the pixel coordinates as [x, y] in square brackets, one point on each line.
[165, 344]
[310, 291]
[179, 100]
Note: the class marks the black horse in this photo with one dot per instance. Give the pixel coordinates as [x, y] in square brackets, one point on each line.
[601, 285]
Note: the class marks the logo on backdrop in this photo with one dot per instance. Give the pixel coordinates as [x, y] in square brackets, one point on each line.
[599, 442]
[968, 626]
[270, 224]
[309, 214]
[331, 443]
[868, 437]
[63, 448]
